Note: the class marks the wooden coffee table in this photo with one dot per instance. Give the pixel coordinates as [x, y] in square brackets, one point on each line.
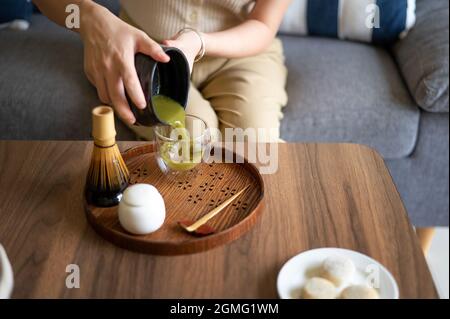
[322, 196]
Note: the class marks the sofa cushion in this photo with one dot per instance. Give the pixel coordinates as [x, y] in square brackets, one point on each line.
[347, 92]
[15, 9]
[423, 178]
[43, 91]
[15, 14]
[380, 21]
[423, 56]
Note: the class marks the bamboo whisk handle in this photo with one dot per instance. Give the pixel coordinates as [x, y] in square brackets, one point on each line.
[103, 128]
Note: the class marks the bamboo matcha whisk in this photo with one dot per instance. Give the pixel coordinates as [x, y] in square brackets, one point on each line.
[108, 175]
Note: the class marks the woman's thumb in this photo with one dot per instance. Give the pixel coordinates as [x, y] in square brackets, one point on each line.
[151, 48]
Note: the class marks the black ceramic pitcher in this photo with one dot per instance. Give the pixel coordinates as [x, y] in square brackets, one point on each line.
[170, 79]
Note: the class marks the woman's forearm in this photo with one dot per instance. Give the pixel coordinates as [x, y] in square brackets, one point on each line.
[252, 36]
[249, 38]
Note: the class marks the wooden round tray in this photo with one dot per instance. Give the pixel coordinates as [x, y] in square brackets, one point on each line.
[186, 199]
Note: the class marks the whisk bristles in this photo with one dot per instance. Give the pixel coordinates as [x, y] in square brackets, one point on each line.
[108, 172]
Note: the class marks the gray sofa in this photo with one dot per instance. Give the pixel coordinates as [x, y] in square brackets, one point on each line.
[392, 99]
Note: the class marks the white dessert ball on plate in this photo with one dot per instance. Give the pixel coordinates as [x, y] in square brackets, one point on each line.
[319, 288]
[338, 269]
[359, 292]
[142, 210]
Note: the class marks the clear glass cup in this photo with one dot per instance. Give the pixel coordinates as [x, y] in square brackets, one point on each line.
[180, 151]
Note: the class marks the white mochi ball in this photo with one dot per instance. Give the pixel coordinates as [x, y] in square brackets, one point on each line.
[319, 288]
[338, 269]
[359, 292]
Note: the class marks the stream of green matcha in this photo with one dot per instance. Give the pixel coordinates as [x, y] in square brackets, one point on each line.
[169, 111]
[173, 114]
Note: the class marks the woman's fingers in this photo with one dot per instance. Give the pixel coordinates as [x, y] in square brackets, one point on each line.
[117, 94]
[132, 84]
[149, 47]
[102, 90]
[113, 71]
[89, 77]
[97, 79]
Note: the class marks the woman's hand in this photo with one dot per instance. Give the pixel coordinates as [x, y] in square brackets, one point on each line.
[189, 43]
[109, 49]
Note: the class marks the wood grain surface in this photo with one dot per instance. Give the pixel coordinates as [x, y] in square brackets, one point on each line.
[321, 196]
[187, 197]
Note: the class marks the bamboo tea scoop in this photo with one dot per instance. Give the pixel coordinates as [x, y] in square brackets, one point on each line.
[199, 227]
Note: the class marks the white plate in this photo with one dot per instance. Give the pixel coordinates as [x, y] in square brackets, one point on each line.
[300, 268]
[6, 275]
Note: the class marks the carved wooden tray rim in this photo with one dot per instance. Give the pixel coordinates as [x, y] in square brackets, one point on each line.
[193, 244]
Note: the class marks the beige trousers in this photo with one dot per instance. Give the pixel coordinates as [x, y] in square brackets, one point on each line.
[238, 93]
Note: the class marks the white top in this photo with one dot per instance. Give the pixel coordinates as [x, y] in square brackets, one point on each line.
[162, 19]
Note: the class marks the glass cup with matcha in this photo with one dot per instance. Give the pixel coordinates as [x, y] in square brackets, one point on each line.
[181, 143]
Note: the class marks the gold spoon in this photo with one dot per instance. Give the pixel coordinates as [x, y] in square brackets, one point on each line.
[199, 227]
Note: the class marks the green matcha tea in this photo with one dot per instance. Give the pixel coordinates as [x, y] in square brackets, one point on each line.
[188, 154]
[169, 111]
[183, 164]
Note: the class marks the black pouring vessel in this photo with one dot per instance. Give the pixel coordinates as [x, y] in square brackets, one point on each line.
[171, 79]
